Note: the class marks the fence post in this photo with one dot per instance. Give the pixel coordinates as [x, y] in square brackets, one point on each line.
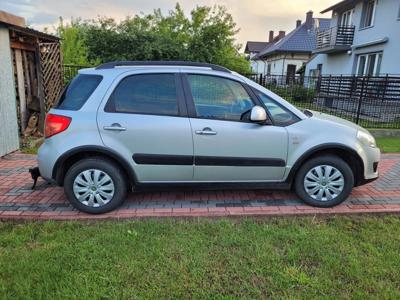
[385, 87]
[360, 100]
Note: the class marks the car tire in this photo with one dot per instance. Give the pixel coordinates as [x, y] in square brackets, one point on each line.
[106, 185]
[312, 178]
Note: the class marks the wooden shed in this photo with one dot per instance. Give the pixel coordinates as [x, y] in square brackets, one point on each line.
[30, 79]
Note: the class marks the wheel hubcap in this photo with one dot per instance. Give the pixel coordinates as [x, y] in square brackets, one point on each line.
[324, 183]
[93, 188]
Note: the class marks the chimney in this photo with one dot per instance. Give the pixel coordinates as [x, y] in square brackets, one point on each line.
[309, 19]
[298, 23]
[281, 35]
[271, 36]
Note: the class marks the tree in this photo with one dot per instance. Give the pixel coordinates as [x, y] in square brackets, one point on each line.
[207, 35]
[73, 44]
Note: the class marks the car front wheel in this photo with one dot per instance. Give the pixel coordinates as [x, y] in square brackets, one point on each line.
[95, 185]
[324, 181]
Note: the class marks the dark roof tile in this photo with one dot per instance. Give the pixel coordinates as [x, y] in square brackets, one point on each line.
[301, 39]
[255, 46]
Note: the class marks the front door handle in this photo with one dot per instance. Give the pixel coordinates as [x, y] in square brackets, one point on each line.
[114, 127]
[206, 131]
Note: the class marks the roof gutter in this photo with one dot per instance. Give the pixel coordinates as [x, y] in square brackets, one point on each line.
[337, 5]
[373, 43]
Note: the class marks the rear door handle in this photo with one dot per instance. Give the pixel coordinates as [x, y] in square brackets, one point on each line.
[114, 127]
[206, 131]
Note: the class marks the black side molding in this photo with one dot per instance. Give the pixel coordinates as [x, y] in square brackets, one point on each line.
[161, 159]
[181, 160]
[238, 161]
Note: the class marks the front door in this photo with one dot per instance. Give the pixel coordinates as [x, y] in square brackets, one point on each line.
[144, 120]
[290, 74]
[227, 148]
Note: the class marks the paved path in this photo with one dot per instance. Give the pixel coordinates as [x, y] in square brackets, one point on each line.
[18, 201]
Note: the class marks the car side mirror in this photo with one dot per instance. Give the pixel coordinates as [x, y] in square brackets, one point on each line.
[258, 114]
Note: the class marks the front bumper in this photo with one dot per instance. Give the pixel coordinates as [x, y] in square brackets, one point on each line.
[371, 158]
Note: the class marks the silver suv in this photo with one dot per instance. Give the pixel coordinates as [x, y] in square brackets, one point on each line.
[125, 125]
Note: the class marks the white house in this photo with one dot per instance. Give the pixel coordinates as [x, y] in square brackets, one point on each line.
[253, 48]
[363, 39]
[289, 54]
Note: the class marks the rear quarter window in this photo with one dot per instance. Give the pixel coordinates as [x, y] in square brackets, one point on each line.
[78, 91]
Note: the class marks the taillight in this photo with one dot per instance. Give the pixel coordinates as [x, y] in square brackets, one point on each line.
[55, 124]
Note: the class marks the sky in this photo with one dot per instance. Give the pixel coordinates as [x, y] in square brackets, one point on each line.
[254, 18]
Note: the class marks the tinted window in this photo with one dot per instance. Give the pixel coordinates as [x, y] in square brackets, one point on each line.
[219, 98]
[148, 94]
[280, 115]
[78, 91]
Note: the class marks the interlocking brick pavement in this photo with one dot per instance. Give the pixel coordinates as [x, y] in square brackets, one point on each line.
[18, 201]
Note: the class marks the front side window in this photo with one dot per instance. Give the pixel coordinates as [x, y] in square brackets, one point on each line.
[369, 64]
[280, 115]
[78, 91]
[146, 94]
[368, 13]
[219, 98]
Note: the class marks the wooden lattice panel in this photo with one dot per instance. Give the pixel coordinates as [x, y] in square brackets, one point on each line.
[52, 76]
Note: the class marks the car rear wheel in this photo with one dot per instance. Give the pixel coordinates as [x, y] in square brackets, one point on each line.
[324, 181]
[95, 185]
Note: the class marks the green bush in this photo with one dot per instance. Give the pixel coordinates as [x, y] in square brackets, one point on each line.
[303, 94]
[296, 93]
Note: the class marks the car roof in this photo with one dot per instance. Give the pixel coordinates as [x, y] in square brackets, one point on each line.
[125, 63]
[117, 67]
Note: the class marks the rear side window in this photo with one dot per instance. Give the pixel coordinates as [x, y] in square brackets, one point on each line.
[147, 94]
[78, 91]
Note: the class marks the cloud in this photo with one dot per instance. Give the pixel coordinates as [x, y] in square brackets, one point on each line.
[254, 18]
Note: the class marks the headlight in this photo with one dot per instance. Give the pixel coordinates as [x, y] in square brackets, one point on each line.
[366, 139]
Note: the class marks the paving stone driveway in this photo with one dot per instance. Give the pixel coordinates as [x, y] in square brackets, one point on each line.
[18, 201]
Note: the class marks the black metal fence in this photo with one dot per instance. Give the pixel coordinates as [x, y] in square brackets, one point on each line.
[372, 102]
[70, 72]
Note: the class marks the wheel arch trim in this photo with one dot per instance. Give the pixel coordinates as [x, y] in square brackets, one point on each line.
[58, 169]
[328, 146]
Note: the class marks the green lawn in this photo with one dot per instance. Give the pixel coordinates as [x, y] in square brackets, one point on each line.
[389, 144]
[220, 259]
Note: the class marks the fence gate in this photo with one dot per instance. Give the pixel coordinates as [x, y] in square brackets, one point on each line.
[52, 73]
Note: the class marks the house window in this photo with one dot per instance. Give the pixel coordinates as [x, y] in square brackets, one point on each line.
[369, 64]
[398, 15]
[346, 19]
[269, 69]
[368, 14]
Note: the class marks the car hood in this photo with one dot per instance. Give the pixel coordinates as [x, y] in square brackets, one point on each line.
[338, 121]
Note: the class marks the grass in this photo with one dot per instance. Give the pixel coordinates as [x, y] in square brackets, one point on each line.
[29, 150]
[204, 259]
[388, 144]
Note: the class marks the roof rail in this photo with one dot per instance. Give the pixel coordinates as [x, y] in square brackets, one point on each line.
[113, 64]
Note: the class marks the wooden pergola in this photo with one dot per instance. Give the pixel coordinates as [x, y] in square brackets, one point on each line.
[37, 67]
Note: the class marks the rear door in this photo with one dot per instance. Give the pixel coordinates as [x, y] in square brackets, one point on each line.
[227, 146]
[144, 118]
